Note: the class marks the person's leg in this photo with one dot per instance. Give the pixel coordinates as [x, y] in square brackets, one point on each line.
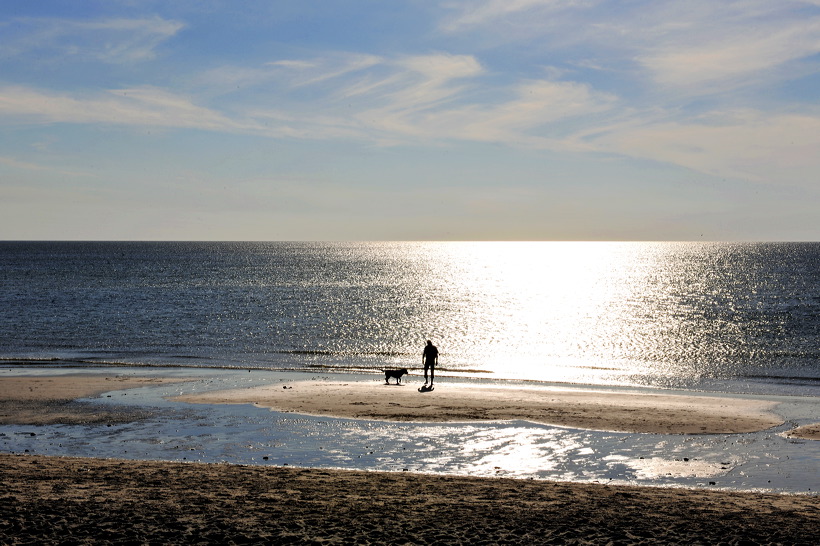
[432, 374]
[426, 366]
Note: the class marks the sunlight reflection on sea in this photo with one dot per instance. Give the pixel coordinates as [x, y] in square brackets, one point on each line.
[661, 314]
[715, 316]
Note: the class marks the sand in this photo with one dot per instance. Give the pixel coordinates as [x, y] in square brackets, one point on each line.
[46, 400]
[806, 432]
[51, 400]
[49, 500]
[453, 402]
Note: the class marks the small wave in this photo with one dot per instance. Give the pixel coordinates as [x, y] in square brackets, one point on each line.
[16, 359]
[81, 363]
[191, 357]
[807, 379]
[47, 361]
[381, 367]
[320, 352]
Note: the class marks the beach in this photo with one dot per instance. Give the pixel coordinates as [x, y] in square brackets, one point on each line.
[50, 499]
[59, 500]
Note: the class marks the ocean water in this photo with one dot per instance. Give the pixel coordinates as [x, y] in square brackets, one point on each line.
[700, 316]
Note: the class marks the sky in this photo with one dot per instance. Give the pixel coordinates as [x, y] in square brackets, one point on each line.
[410, 120]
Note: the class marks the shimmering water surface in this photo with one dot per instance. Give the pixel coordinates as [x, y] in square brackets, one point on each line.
[715, 316]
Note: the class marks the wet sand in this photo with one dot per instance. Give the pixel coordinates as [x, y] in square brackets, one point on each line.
[66, 500]
[48, 400]
[806, 432]
[453, 402]
[52, 400]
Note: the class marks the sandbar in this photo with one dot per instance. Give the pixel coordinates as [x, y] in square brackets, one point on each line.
[454, 402]
[45, 400]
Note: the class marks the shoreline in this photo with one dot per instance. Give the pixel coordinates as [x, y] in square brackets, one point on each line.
[68, 365]
[50, 499]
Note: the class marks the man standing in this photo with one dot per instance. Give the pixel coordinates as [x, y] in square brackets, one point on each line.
[429, 358]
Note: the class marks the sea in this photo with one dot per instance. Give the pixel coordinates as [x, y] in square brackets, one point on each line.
[700, 316]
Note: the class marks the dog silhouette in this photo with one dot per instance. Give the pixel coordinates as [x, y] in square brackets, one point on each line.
[395, 374]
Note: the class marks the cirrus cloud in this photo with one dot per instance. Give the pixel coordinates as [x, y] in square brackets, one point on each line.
[114, 40]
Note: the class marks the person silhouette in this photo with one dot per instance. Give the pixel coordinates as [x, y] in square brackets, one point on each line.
[429, 358]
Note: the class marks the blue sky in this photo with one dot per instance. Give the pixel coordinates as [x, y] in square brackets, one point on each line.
[415, 120]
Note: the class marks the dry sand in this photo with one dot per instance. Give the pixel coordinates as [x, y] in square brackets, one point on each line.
[614, 411]
[45, 400]
[49, 500]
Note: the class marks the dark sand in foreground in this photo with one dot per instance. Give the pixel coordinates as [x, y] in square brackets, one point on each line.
[49, 500]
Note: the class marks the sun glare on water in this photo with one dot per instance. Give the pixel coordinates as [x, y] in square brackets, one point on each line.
[533, 309]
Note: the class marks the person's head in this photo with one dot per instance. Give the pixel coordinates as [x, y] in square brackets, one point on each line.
[429, 342]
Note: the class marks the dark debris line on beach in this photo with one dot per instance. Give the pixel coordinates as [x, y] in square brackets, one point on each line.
[61, 500]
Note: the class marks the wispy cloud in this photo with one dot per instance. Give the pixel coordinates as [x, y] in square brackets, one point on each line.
[422, 82]
[699, 77]
[742, 49]
[523, 116]
[305, 73]
[410, 99]
[433, 98]
[439, 96]
[108, 40]
[696, 47]
[469, 14]
[143, 106]
[18, 165]
[354, 96]
[286, 74]
[747, 144]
